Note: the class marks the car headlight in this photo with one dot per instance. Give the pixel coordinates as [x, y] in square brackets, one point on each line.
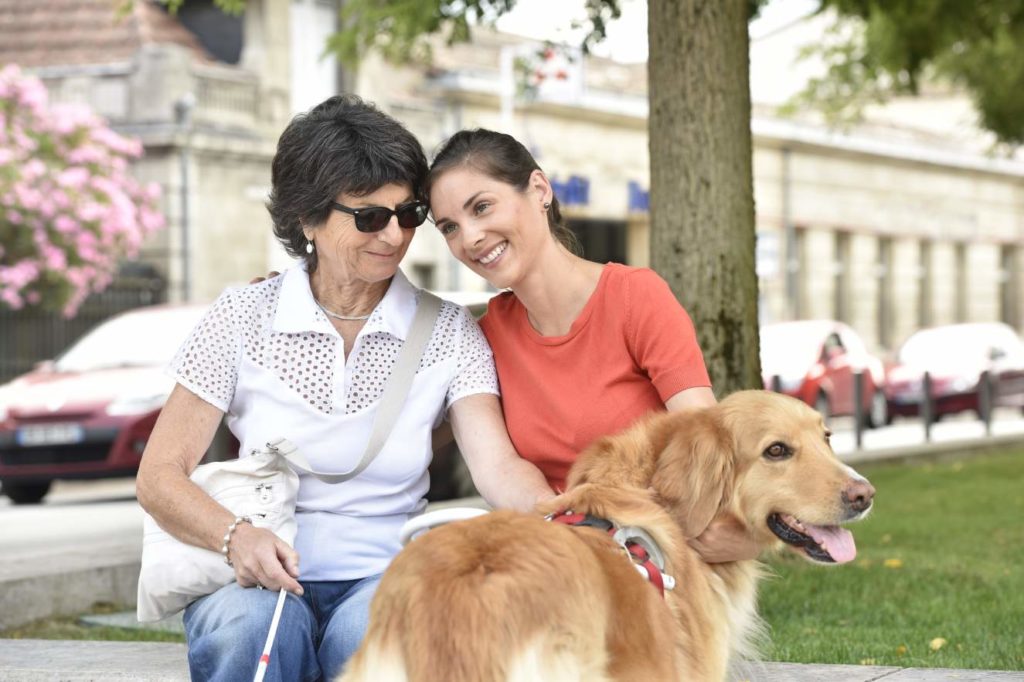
[136, 404]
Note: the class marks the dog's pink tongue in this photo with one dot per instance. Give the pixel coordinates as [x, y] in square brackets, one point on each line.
[836, 540]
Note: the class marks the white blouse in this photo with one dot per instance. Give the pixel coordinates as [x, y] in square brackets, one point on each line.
[268, 357]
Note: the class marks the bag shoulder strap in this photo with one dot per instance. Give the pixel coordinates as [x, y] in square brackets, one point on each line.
[396, 390]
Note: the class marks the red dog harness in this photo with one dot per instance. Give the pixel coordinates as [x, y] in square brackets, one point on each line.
[638, 544]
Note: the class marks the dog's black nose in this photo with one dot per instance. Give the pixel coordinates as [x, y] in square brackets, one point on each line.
[858, 495]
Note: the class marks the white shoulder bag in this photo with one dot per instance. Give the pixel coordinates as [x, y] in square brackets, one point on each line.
[262, 486]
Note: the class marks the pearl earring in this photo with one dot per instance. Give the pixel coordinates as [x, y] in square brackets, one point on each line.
[547, 205]
[309, 246]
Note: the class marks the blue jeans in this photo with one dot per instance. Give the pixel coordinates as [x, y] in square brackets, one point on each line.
[318, 631]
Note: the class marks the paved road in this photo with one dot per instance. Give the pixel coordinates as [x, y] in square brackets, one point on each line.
[92, 513]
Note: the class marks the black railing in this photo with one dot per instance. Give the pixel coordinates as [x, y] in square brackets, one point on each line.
[31, 335]
[988, 398]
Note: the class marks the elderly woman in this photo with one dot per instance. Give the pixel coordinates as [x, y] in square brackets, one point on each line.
[304, 356]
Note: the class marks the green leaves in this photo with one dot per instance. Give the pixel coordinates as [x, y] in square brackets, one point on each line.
[880, 49]
[402, 29]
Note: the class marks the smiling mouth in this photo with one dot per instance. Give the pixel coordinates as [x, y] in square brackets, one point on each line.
[825, 544]
[493, 253]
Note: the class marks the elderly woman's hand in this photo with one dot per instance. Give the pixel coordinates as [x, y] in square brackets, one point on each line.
[261, 558]
[725, 539]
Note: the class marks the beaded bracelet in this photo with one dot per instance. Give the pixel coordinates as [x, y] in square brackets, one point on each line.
[227, 537]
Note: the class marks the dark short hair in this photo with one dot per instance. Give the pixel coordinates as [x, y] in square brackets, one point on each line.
[503, 158]
[342, 145]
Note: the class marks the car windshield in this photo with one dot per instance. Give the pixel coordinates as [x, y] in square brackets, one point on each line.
[138, 339]
[950, 348]
[786, 347]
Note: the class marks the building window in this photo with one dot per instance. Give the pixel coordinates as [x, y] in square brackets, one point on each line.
[423, 275]
[924, 285]
[800, 275]
[219, 32]
[884, 304]
[841, 277]
[603, 241]
[960, 274]
[1009, 285]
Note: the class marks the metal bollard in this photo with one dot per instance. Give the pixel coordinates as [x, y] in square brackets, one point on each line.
[859, 416]
[985, 402]
[927, 408]
[777, 383]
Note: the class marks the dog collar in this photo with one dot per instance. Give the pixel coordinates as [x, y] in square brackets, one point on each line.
[638, 544]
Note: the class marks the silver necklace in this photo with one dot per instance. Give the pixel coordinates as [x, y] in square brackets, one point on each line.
[337, 316]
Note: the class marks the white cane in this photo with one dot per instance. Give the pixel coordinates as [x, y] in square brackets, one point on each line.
[261, 669]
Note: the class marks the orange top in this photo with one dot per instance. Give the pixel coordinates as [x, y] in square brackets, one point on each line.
[632, 348]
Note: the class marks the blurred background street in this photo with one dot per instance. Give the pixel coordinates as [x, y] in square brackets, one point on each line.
[869, 231]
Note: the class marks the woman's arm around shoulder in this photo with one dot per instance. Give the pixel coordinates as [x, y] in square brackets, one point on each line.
[505, 479]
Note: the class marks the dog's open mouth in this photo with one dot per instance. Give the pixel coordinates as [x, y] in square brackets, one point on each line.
[827, 544]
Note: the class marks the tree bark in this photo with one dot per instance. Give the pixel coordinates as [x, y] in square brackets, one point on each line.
[702, 194]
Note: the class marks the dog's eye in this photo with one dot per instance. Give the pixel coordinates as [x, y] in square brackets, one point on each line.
[778, 451]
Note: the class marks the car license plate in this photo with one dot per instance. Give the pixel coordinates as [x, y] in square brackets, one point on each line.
[50, 434]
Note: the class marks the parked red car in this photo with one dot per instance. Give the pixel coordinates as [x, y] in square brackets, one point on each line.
[955, 356]
[89, 413]
[816, 361]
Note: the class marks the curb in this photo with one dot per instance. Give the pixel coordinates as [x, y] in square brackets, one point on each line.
[70, 582]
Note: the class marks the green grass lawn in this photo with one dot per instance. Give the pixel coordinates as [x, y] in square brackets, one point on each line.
[70, 627]
[941, 556]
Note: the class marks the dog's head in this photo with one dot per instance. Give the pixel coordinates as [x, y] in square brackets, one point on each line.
[790, 488]
[762, 457]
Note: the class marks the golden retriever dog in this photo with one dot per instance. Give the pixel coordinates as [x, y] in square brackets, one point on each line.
[519, 598]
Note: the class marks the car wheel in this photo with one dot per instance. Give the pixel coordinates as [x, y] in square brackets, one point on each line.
[821, 405]
[879, 415]
[26, 493]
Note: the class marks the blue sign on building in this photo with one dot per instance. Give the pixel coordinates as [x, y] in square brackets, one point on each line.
[639, 198]
[573, 192]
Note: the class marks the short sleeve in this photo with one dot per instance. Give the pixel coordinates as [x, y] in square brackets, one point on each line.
[207, 363]
[474, 362]
[661, 336]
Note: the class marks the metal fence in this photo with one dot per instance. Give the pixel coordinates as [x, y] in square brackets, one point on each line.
[30, 336]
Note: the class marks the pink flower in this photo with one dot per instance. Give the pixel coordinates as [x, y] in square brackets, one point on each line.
[67, 185]
[11, 298]
[66, 224]
[73, 178]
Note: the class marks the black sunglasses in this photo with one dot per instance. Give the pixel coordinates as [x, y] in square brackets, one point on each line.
[376, 218]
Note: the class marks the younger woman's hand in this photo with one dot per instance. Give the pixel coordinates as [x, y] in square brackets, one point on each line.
[725, 539]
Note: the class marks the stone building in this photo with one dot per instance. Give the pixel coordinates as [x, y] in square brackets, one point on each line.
[904, 221]
[206, 104]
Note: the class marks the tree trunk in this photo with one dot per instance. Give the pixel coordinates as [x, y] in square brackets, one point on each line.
[702, 195]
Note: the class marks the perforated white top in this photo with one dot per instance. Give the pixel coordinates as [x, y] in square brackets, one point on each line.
[267, 356]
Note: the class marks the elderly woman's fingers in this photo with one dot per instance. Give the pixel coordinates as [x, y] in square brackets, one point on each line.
[273, 576]
[289, 557]
[255, 554]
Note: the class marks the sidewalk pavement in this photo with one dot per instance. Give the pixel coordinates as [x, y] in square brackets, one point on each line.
[69, 580]
[38, 660]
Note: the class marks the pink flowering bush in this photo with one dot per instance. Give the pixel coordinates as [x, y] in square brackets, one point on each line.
[69, 209]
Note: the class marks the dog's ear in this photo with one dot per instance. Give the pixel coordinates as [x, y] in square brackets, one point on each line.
[694, 470]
